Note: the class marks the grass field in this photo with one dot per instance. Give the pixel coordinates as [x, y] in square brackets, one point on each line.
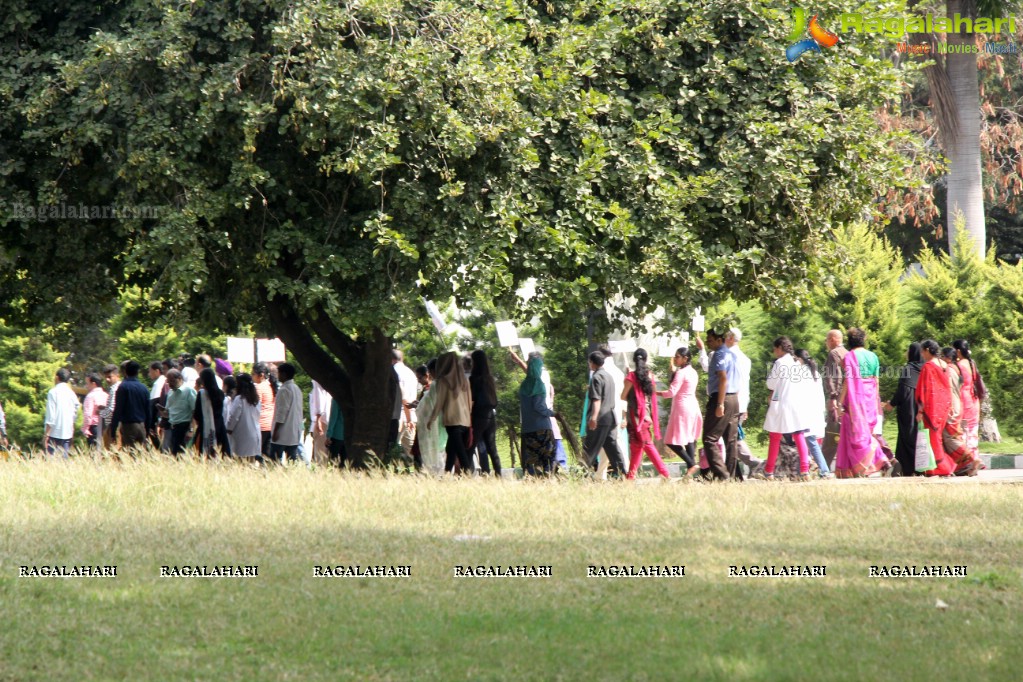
[288, 625]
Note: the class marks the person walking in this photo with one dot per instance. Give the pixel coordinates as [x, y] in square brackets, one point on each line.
[783, 412]
[484, 413]
[640, 395]
[61, 413]
[453, 403]
[904, 404]
[685, 422]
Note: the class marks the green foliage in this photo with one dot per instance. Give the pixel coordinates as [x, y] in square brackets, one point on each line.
[1001, 358]
[946, 300]
[28, 364]
[864, 292]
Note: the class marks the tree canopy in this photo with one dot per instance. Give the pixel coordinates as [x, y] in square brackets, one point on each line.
[319, 167]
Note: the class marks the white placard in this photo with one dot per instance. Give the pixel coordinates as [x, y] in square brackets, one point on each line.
[507, 335]
[434, 312]
[665, 349]
[622, 346]
[526, 346]
[270, 350]
[699, 323]
[241, 349]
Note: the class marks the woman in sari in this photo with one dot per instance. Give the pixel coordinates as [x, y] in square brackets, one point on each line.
[970, 394]
[904, 404]
[953, 437]
[859, 454]
[538, 444]
[640, 394]
[934, 404]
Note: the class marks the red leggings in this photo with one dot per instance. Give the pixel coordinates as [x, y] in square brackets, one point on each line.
[775, 444]
[640, 443]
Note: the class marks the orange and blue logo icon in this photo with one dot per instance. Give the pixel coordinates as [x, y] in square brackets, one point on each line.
[819, 36]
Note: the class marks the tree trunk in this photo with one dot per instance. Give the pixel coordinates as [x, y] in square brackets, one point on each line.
[363, 382]
[965, 186]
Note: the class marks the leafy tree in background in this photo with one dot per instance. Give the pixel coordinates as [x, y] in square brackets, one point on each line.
[319, 167]
[29, 364]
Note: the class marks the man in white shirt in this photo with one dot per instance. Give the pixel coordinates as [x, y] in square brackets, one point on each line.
[189, 375]
[287, 426]
[745, 366]
[319, 417]
[155, 391]
[408, 387]
[112, 375]
[61, 411]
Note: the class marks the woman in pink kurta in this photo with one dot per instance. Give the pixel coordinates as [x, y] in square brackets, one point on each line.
[969, 396]
[685, 424]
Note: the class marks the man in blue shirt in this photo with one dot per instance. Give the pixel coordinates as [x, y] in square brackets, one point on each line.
[131, 408]
[722, 418]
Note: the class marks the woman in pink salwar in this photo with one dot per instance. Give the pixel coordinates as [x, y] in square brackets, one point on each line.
[685, 424]
[640, 393]
[859, 453]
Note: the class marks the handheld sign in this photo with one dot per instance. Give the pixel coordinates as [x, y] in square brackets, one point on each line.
[434, 312]
[698, 321]
[506, 334]
[622, 346]
[270, 350]
[241, 349]
[526, 346]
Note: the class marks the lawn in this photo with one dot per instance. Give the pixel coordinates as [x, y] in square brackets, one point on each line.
[286, 624]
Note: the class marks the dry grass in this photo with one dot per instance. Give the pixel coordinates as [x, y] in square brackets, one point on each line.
[288, 625]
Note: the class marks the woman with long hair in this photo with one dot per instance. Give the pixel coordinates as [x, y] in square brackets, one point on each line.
[783, 412]
[242, 423]
[904, 404]
[971, 394]
[811, 404]
[209, 415]
[859, 454]
[484, 412]
[685, 423]
[538, 444]
[953, 438]
[432, 441]
[640, 393]
[934, 404]
[453, 404]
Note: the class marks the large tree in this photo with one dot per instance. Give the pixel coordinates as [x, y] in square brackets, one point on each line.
[318, 167]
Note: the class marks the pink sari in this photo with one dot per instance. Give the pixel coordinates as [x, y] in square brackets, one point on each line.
[859, 453]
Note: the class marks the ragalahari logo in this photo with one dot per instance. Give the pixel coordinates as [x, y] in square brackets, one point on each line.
[819, 36]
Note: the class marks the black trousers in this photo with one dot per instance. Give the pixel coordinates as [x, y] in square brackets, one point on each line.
[604, 436]
[337, 452]
[687, 453]
[484, 431]
[178, 437]
[714, 429]
[456, 450]
[265, 444]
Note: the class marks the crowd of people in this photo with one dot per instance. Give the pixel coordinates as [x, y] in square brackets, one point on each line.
[444, 417]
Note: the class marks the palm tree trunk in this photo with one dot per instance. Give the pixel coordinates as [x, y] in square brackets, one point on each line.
[965, 187]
